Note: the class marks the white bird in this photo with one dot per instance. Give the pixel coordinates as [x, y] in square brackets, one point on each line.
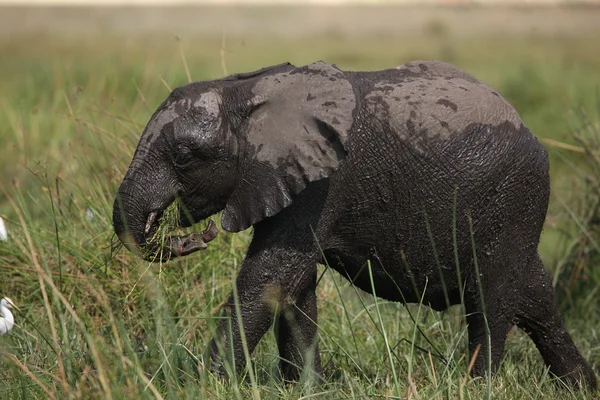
[3, 232]
[7, 320]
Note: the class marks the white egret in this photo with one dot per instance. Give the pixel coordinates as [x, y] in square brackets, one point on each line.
[7, 320]
[3, 232]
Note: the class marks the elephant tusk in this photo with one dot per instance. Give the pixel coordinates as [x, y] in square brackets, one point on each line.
[210, 232]
[150, 221]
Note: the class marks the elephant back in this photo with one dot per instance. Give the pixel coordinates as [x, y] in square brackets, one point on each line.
[425, 102]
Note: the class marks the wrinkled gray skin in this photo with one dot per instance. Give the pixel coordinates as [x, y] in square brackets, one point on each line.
[376, 164]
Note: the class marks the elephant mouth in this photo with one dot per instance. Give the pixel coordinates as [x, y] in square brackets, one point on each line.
[164, 246]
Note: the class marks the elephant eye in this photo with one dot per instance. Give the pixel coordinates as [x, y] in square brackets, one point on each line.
[183, 155]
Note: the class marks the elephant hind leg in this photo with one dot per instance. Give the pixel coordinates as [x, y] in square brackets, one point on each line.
[498, 324]
[538, 315]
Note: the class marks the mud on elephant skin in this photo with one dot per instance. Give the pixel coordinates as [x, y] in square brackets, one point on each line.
[405, 167]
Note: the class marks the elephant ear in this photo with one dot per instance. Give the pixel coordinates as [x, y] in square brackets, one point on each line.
[296, 133]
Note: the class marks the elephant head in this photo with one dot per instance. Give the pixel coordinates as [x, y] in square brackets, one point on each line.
[245, 144]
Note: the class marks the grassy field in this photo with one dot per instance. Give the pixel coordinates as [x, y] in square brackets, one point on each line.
[77, 87]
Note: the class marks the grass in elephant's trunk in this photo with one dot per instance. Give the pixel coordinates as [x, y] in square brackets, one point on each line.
[164, 244]
[169, 223]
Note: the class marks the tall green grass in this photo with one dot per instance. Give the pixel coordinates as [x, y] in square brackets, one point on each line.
[97, 322]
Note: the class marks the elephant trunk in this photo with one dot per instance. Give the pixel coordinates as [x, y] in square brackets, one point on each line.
[135, 222]
[129, 221]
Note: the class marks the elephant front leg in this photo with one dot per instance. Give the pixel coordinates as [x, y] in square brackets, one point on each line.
[242, 326]
[245, 318]
[296, 332]
[270, 283]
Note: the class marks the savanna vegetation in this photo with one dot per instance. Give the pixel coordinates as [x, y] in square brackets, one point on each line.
[77, 87]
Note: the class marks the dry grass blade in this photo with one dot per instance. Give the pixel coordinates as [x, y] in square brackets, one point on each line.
[561, 145]
[141, 94]
[165, 83]
[33, 377]
[432, 369]
[471, 363]
[143, 377]
[185, 65]
[222, 53]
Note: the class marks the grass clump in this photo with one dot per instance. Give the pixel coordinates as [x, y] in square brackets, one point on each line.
[169, 222]
[577, 275]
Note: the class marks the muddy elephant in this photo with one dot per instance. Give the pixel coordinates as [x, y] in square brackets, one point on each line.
[422, 172]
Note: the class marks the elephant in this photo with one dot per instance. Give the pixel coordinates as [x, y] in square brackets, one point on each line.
[416, 183]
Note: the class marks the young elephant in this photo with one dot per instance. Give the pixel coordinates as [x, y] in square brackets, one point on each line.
[409, 168]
